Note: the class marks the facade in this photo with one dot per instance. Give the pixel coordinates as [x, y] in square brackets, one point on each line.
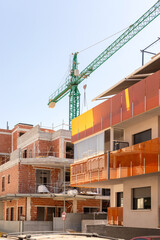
[117, 146]
[35, 175]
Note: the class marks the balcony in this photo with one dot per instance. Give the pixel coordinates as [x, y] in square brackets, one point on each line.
[89, 171]
[135, 160]
[115, 216]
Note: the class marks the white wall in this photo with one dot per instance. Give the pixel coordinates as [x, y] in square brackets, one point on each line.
[140, 125]
[147, 218]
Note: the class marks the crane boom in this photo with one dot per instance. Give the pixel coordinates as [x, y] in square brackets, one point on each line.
[135, 28]
[71, 83]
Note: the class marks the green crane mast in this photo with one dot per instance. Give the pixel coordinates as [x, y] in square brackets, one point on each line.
[71, 83]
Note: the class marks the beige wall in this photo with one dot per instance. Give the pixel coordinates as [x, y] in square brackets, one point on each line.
[139, 126]
[114, 189]
[141, 218]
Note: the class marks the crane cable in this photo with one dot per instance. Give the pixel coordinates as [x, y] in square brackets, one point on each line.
[103, 39]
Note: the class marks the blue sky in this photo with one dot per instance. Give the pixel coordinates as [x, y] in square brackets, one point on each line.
[37, 38]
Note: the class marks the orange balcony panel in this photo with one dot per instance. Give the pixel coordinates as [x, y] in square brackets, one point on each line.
[127, 98]
[135, 160]
[90, 170]
[116, 109]
[115, 216]
[139, 97]
[152, 91]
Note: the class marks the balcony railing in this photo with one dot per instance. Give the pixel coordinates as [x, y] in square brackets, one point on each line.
[135, 160]
[90, 170]
[115, 216]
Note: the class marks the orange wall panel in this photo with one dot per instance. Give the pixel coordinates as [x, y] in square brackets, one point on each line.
[152, 91]
[116, 109]
[97, 115]
[138, 97]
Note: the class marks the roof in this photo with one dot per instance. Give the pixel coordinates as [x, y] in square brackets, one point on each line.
[146, 70]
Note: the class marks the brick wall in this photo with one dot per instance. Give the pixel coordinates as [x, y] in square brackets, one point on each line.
[14, 204]
[42, 148]
[27, 178]
[19, 128]
[5, 141]
[91, 203]
[47, 202]
[11, 187]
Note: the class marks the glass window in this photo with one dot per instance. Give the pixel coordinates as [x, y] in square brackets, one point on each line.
[118, 134]
[142, 136]
[89, 147]
[141, 198]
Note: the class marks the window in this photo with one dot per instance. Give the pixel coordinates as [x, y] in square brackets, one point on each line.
[43, 177]
[67, 176]
[21, 133]
[105, 192]
[119, 199]
[90, 209]
[3, 184]
[141, 198]
[142, 136]
[12, 214]
[20, 211]
[40, 213]
[89, 147]
[7, 214]
[69, 150]
[9, 179]
[25, 153]
[118, 134]
[105, 205]
[50, 213]
[59, 211]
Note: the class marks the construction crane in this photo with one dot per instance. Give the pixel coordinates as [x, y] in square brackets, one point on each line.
[71, 83]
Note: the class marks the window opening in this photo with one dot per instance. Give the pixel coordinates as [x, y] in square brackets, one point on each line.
[12, 214]
[3, 184]
[69, 150]
[9, 179]
[119, 199]
[25, 153]
[7, 214]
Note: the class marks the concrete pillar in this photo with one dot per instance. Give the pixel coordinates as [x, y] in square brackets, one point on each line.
[75, 206]
[111, 138]
[28, 209]
[61, 147]
[16, 210]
